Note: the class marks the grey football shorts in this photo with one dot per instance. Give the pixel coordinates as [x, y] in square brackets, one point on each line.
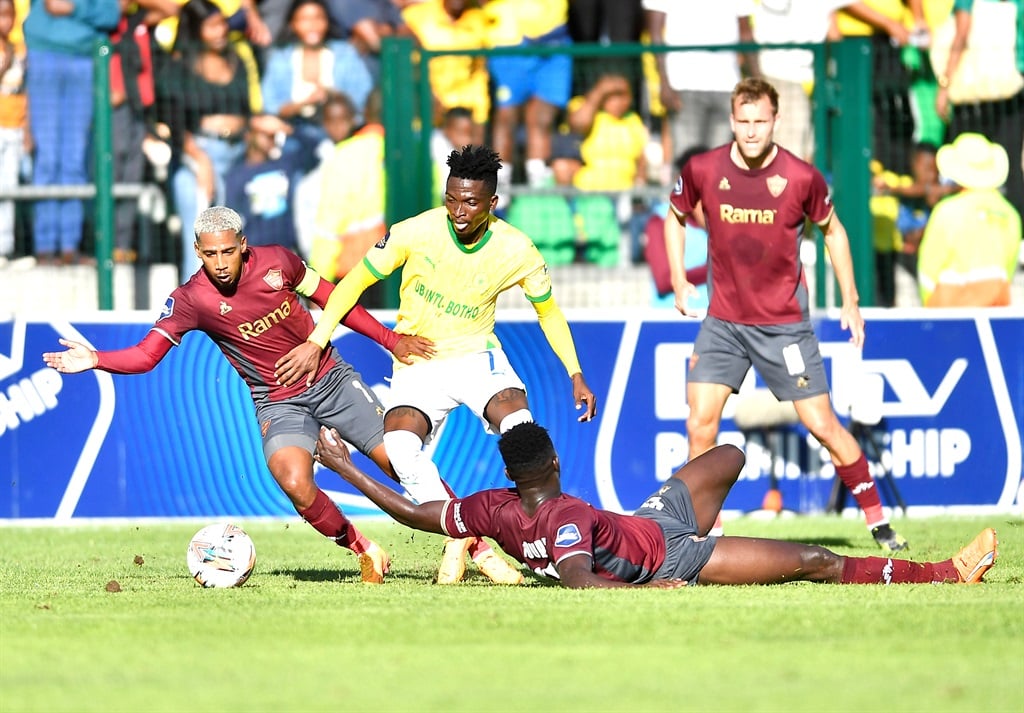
[686, 552]
[786, 356]
[340, 400]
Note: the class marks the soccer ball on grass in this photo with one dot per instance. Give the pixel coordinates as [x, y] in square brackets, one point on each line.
[221, 555]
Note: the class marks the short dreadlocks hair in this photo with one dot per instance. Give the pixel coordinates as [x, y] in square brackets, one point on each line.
[475, 163]
[526, 447]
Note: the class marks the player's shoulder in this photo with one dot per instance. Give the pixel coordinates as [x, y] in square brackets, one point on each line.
[795, 165]
[491, 501]
[424, 226]
[276, 258]
[711, 162]
[431, 217]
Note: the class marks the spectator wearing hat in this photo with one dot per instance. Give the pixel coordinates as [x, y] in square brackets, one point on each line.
[970, 247]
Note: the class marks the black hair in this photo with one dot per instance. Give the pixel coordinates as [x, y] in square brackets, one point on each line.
[336, 97]
[287, 36]
[526, 447]
[476, 163]
[925, 147]
[457, 112]
[190, 19]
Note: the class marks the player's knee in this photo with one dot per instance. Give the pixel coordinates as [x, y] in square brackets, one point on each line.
[403, 449]
[298, 486]
[292, 468]
[820, 564]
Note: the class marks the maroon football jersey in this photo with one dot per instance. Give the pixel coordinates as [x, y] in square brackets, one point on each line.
[754, 219]
[623, 548]
[256, 325]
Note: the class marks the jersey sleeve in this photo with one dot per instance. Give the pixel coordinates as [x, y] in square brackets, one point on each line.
[177, 316]
[387, 255]
[818, 204]
[468, 516]
[572, 532]
[537, 282]
[136, 359]
[686, 193]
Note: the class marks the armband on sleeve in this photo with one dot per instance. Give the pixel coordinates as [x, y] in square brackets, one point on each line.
[345, 295]
[556, 329]
[315, 287]
[137, 359]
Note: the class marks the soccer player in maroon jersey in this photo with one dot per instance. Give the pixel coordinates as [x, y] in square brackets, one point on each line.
[247, 300]
[756, 197]
[663, 544]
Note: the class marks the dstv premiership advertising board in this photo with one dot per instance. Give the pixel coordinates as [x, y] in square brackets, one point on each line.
[182, 440]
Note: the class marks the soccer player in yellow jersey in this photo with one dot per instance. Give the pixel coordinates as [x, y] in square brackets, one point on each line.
[457, 259]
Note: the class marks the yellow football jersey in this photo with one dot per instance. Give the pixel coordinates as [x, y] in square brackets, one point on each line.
[449, 291]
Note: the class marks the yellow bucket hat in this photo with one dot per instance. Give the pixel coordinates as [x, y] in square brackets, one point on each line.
[972, 161]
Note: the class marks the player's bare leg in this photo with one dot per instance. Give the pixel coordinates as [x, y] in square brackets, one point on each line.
[709, 477]
[817, 414]
[292, 468]
[749, 560]
[706, 402]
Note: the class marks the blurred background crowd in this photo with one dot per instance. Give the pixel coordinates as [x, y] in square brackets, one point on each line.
[274, 107]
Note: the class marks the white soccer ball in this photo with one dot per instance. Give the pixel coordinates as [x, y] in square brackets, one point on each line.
[221, 555]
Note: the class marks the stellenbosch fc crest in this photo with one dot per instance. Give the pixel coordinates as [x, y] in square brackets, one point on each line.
[274, 279]
[776, 185]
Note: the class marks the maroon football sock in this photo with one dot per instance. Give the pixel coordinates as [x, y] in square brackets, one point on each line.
[857, 479]
[885, 570]
[329, 521]
[478, 548]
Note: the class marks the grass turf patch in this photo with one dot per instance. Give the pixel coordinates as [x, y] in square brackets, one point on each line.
[305, 634]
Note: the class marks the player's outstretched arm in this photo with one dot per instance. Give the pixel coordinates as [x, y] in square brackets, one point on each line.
[556, 330]
[302, 361]
[358, 319]
[77, 358]
[136, 359]
[332, 452]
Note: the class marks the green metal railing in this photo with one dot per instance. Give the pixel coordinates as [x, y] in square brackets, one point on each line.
[104, 177]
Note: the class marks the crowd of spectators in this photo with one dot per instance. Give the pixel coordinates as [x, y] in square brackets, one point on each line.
[273, 107]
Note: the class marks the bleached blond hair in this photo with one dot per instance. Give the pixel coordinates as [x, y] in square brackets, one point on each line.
[216, 219]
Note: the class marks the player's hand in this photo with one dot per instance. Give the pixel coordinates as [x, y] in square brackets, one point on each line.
[410, 345]
[683, 294]
[302, 361]
[666, 584]
[850, 318]
[77, 358]
[331, 451]
[583, 396]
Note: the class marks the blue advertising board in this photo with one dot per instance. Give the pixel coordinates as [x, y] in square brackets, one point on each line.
[182, 441]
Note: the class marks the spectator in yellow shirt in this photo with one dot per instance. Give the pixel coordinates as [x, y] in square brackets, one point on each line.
[971, 244]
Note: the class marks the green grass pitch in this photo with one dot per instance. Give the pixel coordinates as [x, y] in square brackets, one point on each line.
[303, 634]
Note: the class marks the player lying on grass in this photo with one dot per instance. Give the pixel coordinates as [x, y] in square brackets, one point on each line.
[663, 544]
[248, 301]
